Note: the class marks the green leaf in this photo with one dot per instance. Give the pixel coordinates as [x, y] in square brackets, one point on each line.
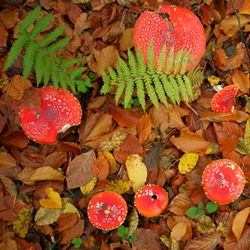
[192, 212]
[211, 206]
[201, 213]
[200, 205]
[77, 242]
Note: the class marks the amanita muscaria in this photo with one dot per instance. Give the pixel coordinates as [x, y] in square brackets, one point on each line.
[223, 100]
[174, 26]
[151, 200]
[107, 210]
[59, 111]
[223, 181]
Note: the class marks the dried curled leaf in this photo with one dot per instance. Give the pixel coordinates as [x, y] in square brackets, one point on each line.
[247, 136]
[205, 225]
[133, 221]
[88, 187]
[113, 142]
[22, 221]
[187, 162]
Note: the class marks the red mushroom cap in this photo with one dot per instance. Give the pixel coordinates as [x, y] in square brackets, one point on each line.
[107, 210]
[223, 181]
[223, 100]
[174, 26]
[59, 111]
[151, 200]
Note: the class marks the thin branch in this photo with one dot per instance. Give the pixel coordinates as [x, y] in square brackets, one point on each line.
[202, 3]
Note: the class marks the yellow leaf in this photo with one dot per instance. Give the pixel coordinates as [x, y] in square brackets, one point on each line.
[239, 222]
[247, 136]
[47, 216]
[213, 80]
[213, 148]
[111, 160]
[71, 209]
[205, 225]
[54, 200]
[222, 228]
[89, 187]
[188, 162]
[22, 221]
[133, 221]
[178, 231]
[118, 186]
[46, 173]
[165, 240]
[137, 171]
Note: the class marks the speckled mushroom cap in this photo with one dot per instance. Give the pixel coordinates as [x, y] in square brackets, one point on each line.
[174, 26]
[107, 210]
[59, 111]
[223, 181]
[151, 200]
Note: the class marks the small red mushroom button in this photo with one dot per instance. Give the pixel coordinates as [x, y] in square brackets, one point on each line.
[59, 111]
[223, 181]
[107, 210]
[223, 100]
[174, 26]
[151, 200]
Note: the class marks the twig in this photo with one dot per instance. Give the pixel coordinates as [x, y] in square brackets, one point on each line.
[199, 6]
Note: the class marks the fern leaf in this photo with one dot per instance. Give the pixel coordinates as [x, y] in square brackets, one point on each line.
[112, 74]
[182, 88]
[58, 45]
[40, 26]
[161, 59]
[81, 86]
[29, 19]
[128, 92]
[55, 75]
[76, 72]
[28, 59]
[175, 87]
[177, 61]
[132, 63]
[15, 50]
[188, 86]
[159, 90]
[47, 69]
[151, 59]
[70, 62]
[63, 80]
[71, 83]
[140, 92]
[52, 36]
[123, 68]
[39, 66]
[151, 91]
[184, 63]
[119, 91]
[106, 87]
[168, 88]
[142, 68]
[170, 61]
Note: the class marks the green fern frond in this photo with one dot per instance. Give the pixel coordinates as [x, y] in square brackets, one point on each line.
[170, 91]
[177, 61]
[55, 75]
[132, 63]
[128, 92]
[184, 63]
[151, 91]
[151, 59]
[182, 88]
[28, 59]
[70, 62]
[189, 87]
[161, 59]
[52, 49]
[175, 87]
[159, 90]
[63, 80]
[106, 86]
[140, 91]
[47, 69]
[119, 91]
[39, 66]
[170, 61]
[112, 74]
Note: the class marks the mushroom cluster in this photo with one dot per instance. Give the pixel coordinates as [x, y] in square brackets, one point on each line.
[171, 25]
[59, 111]
[223, 181]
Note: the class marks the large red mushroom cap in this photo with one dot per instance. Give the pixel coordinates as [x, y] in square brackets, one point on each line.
[151, 200]
[59, 111]
[223, 181]
[107, 210]
[174, 26]
[223, 100]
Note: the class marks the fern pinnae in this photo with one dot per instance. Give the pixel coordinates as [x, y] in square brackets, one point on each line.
[15, 50]
[184, 63]
[70, 62]
[63, 80]
[151, 59]
[53, 48]
[106, 87]
[40, 26]
[46, 71]
[132, 63]
[128, 92]
[28, 59]
[151, 91]
[119, 91]
[175, 87]
[29, 19]
[159, 90]
[55, 75]
[182, 88]
[142, 67]
[123, 66]
[177, 61]
[189, 86]
[170, 61]
[39, 66]
[168, 88]
[112, 74]
[161, 60]
[140, 91]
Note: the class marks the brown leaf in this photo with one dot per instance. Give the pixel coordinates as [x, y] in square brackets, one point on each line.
[102, 126]
[66, 221]
[208, 14]
[220, 57]
[159, 118]
[229, 144]
[96, 102]
[108, 57]
[82, 23]
[68, 235]
[241, 80]
[56, 160]
[46, 173]
[115, 32]
[74, 11]
[146, 239]
[8, 243]
[3, 36]
[205, 242]
[131, 145]
[6, 160]
[126, 40]
[144, 127]
[153, 157]
[31, 99]
[15, 139]
[24, 176]
[79, 171]
[122, 117]
[232, 128]
[11, 173]
[238, 116]
[8, 185]
[189, 142]
[175, 120]
[9, 18]
[178, 231]
[121, 156]
[100, 167]
[180, 204]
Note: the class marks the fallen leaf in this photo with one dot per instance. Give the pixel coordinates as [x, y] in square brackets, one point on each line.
[79, 171]
[6, 160]
[121, 156]
[187, 162]
[71, 209]
[96, 102]
[241, 80]
[9, 18]
[137, 171]
[220, 57]
[88, 187]
[144, 127]
[46, 173]
[66, 221]
[180, 204]
[153, 157]
[205, 224]
[239, 222]
[133, 219]
[3, 36]
[247, 136]
[126, 40]
[118, 186]
[131, 145]
[54, 200]
[8, 185]
[178, 231]
[100, 167]
[47, 216]
[15, 139]
[229, 144]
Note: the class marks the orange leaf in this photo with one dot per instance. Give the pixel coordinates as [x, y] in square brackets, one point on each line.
[100, 167]
[229, 144]
[131, 145]
[144, 127]
[241, 80]
[121, 156]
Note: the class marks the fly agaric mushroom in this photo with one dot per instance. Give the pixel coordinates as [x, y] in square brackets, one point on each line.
[151, 200]
[223, 100]
[59, 111]
[174, 26]
[223, 181]
[107, 210]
